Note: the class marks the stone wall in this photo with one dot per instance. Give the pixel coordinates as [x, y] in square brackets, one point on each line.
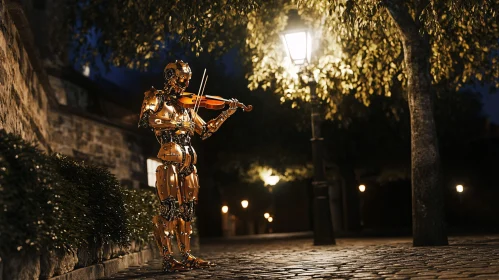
[23, 98]
[116, 148]
[33, 106]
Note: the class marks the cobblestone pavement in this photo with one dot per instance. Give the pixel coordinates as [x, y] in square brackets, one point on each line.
[464, 258]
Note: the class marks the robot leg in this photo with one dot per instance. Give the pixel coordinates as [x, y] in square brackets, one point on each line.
[188, 193]
[165, 223]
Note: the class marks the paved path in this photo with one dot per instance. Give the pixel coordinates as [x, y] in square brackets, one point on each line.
[464, 258]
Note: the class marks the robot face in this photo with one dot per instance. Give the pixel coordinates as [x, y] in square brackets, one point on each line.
[177, 75]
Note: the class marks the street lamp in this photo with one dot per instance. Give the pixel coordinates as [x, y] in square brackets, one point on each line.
[225, 209]
[271, 180]
[362, 188]
[297, 41]
[459, 188]
[244, 203]
[266, 215]
[270, 219]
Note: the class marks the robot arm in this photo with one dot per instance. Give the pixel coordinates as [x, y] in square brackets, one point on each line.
[150, 105]
[207, 129]
[149, 117]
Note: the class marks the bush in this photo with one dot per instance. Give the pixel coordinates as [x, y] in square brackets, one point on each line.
[99, 198]
[56, 202]
[141, 206]
[27, 196]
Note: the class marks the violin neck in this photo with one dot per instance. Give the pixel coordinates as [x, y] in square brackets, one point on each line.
[217, 98]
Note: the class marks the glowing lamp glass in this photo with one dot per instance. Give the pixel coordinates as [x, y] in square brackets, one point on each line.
[225, 209]
[298, 46]
[244, 203]
[362, 188]
[459, 188]
[270, 219]
[266, 215]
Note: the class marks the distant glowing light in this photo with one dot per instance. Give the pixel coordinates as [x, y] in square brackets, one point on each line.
[362, 188]
[459, 188]
[244, 203]
[266, 215]
[225, 209]
[267, 177]
[270, 219]
[86, 71]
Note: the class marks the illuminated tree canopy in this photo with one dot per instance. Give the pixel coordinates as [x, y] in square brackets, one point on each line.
[360, 51]
[359, 48]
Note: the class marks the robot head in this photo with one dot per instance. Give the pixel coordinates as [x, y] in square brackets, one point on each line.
[177, 75]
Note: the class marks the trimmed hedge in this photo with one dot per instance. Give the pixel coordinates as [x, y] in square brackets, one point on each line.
[52, 202]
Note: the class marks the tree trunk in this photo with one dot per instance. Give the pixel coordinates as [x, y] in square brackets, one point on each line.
[428, 219]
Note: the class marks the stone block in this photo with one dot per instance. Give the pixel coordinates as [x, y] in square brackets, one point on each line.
[67, 261]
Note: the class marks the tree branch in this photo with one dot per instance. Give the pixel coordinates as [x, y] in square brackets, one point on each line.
[408, 27]
[420, 6]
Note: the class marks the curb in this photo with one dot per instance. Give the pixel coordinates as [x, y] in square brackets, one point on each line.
[109, 267]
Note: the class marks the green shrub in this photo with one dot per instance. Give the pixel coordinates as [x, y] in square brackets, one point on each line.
[58, 202]
[101, 199]
[26, 195]
[141, 206]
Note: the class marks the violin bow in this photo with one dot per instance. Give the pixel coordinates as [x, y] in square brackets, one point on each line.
[199, 90]
[199, 96]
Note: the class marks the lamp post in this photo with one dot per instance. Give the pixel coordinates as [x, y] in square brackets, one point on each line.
[459, 190]
[362, 189]
[226, 221]
[297, 40]
[270, 181]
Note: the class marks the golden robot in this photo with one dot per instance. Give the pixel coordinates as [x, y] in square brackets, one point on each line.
[177, 181]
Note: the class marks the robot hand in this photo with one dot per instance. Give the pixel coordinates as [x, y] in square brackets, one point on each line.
[232, 106]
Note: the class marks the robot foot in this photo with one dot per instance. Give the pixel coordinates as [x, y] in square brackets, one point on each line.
[192, 262]
[172, 265]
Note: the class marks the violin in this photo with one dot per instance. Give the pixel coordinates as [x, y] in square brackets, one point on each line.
[191, 100]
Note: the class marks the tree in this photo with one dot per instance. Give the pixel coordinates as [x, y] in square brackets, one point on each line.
[371, 47]
[134, 33]
[367, 47]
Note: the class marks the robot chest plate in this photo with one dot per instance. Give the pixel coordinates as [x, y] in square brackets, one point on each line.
[170, 112]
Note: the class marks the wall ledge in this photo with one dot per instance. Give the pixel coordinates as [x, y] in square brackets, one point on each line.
[109, 267]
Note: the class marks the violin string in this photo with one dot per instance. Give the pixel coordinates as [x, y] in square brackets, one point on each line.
[200, 86]
[202, 92]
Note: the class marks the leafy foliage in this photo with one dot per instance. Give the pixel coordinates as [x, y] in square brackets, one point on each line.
[27, 185]
[360, 47]
[57, 202]
[359, 44]
[101, 200]
[140, 206]
[133, 33]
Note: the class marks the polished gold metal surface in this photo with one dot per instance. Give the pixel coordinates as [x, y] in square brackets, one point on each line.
[150, 103]
[167, 184]
[177, 181]
[190, 187]
[171, 152]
